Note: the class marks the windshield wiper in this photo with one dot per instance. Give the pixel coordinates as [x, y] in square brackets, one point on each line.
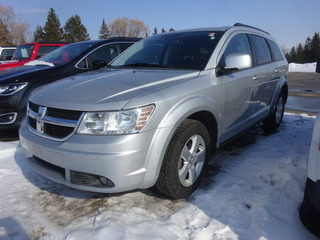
[142, 65]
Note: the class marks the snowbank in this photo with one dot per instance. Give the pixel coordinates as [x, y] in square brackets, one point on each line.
[306, 67]
[253, 190]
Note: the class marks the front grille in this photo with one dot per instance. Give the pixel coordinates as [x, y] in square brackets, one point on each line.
[57, 131]
[63, 114]
[52, 123]
[53, 168]
[33, 107]
[33, 123]
[87, 179]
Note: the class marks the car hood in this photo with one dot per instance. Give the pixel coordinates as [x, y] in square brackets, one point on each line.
[108, 89]
[18, 73]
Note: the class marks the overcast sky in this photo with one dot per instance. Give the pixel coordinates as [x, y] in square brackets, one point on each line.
[289, 21]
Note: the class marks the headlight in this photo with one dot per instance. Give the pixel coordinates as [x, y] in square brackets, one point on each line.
[9, 89]
[115, 123]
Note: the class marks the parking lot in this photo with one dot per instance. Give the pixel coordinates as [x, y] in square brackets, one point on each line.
[252, 190]
[304, 92]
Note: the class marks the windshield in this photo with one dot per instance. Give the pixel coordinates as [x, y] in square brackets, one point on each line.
[182, 50]
[66, 53]
[23, 52]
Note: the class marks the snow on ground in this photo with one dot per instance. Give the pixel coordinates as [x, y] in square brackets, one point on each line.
[253, 190]
[306, 67]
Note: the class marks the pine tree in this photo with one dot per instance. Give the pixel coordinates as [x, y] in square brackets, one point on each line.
[300, 54]
[104, 30]
[315, 47]
[171, 29]
[307, 51]
[162, 30]
[52, 29]
[292, 55]
[155, 31]
[38, 34]
[74, 30]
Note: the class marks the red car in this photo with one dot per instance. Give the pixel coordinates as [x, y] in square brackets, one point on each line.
[28, 52]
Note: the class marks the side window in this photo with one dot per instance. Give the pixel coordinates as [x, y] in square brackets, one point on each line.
[239, 44]
[261, 49]
[124, 46]
[105, 53]
[276, 52]
[43, 50]
[6, 54]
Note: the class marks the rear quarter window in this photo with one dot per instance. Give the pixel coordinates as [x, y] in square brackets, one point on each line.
[261, 50]
[276, 52]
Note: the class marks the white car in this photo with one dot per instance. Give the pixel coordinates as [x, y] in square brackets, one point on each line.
[310, 208]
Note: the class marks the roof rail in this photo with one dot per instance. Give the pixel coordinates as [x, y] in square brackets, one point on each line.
[244, 25]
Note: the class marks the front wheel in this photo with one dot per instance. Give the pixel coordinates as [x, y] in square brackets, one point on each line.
[273, 121]
[184, 161]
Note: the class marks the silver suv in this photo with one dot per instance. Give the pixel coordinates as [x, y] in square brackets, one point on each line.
[154, 114]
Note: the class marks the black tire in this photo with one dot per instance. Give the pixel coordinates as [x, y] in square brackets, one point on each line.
[184, 161]
[274, 120]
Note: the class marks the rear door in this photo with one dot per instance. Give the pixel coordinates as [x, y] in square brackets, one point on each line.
[265, 80]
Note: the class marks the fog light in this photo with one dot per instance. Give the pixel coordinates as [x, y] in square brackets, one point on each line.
[8, 118]
[106, 182]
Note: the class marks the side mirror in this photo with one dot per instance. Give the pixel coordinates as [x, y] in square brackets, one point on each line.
[96, 64]
[318, 66]
[234, 62]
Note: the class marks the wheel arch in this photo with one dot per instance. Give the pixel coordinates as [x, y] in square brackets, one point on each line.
[199, 108]
[282, 86]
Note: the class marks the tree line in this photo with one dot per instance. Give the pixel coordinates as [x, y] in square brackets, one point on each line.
[307, 53]
[14, 33]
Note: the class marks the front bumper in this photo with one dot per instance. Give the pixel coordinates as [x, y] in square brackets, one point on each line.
[310, 208]
[83, 160]
[12, 112]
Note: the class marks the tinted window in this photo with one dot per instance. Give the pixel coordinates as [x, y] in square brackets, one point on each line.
[262, 51]
[23, 52]
[187, 50]
[124, 46]
[276, 52]
[238, 44]
[7, 54]
[66, 53]
[43, 50]
[105, 53]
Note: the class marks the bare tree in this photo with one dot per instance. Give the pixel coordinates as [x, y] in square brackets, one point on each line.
[125, 27]
[18, 29]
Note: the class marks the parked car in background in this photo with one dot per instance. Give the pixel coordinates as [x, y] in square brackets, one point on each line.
[28, 52]
[6, 52]
[153, 116]
[16, 84]
[310, 208]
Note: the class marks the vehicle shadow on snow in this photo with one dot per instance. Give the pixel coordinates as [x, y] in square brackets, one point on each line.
[10, 228]
[234, 147]
[250, 190]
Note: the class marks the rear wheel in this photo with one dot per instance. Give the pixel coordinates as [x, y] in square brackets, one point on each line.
[184, 160]
[273, 121]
